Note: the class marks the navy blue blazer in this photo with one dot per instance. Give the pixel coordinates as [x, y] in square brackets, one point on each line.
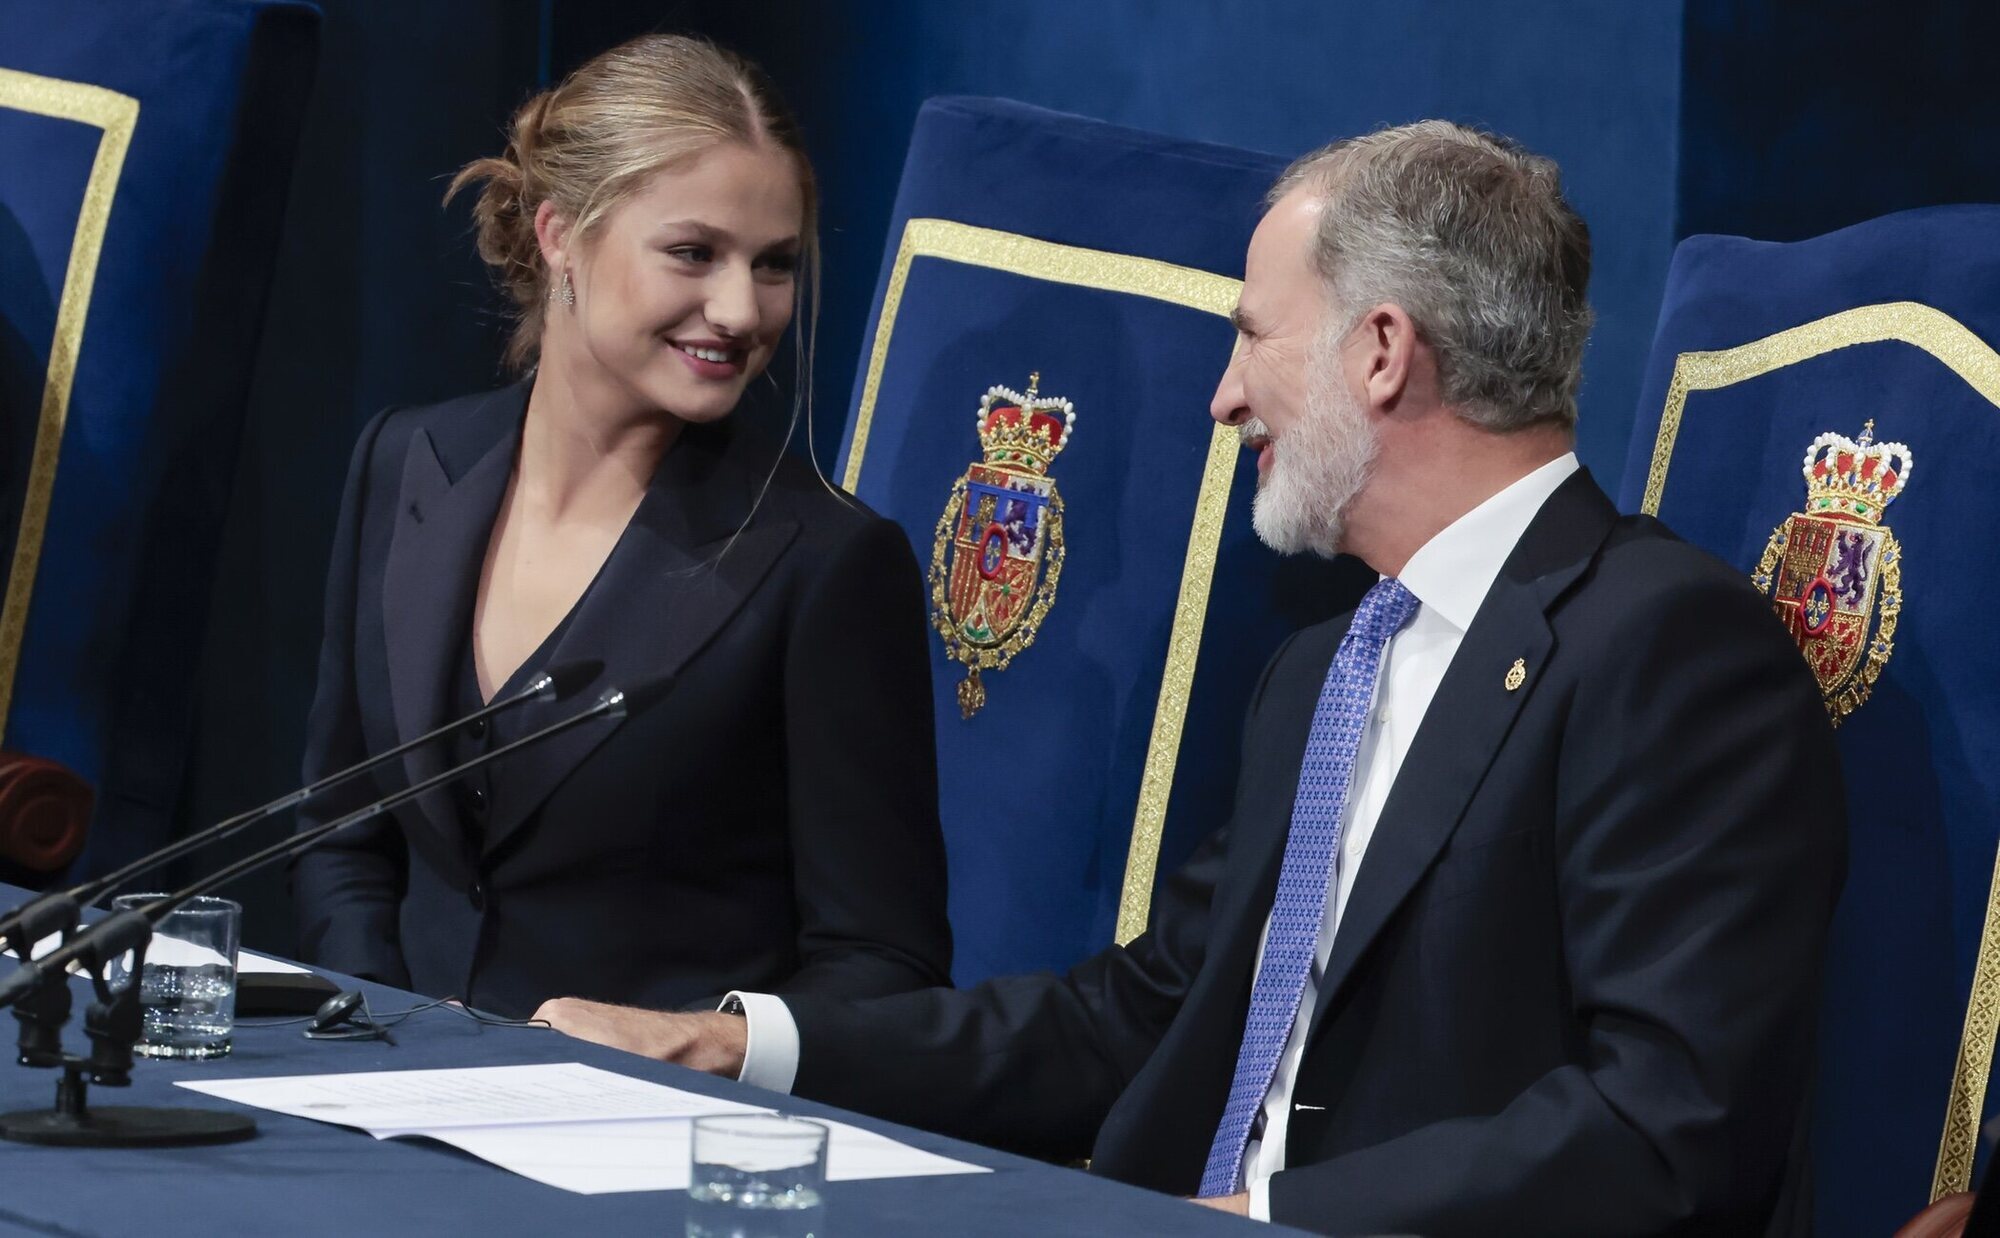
[770, 823]
[1573, 990]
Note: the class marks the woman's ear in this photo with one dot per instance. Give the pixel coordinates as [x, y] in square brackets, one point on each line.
[552, 236]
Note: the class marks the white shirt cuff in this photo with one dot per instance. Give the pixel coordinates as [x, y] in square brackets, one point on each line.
[1260, 1193]
[771, 1042]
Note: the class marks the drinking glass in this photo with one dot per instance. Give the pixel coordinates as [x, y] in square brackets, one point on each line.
[187, 988]
[757, 1175]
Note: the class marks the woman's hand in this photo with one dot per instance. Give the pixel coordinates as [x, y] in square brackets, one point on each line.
[708, 1042]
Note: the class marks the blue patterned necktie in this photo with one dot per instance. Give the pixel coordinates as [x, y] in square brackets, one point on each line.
[1312, 847]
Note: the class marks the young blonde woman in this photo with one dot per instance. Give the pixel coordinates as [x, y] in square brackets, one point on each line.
[769, 822]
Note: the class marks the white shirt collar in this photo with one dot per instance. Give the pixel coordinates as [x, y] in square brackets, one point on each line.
[1451, 573]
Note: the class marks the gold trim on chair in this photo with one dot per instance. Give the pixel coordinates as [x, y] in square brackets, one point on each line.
[1108, 272]
[1142, 861]
[1969, 357]
[1920, 326]
[117, 116]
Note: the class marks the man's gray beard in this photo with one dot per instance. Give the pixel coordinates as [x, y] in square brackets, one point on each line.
[1316, 469]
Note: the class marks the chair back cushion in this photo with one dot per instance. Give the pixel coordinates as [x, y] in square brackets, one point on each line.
[1091, 553]
[1823, 415]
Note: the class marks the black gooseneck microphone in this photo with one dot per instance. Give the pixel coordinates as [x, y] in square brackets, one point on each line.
[114, 1021]
[57, 912]
[112, 936]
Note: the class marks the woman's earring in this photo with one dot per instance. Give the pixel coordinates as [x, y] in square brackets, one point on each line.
[564, 292]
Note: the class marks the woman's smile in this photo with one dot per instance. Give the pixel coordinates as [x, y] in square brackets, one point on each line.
[711, 359]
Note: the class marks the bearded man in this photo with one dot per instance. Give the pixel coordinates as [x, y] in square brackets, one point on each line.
[1517, 923]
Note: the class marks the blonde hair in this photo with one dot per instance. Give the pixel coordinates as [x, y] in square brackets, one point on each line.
[590, 142]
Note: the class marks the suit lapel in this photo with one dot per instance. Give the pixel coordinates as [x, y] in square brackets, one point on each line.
[1468, 719]
[684, 566]
[432, 571]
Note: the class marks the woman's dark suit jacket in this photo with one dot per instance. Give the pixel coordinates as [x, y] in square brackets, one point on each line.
[768, 823]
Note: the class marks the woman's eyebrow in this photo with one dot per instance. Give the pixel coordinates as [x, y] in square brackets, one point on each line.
[711, 234]
[703, 231]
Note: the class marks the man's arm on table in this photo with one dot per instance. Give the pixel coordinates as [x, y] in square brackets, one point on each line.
[1027, 1063]
[1699, 850]
[707, 1041]
[1030, 1063]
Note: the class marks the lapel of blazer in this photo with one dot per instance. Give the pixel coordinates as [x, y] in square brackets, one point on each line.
[684, 565]
[451, 489]
[1468, 719]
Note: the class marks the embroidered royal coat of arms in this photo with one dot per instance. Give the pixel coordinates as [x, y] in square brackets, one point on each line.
[999, 547]
[1834, 571]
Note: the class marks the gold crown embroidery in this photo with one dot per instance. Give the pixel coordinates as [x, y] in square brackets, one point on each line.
[998, 552]
[1834, 571]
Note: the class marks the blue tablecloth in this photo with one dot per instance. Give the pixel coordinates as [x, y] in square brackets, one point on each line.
[300, 1178]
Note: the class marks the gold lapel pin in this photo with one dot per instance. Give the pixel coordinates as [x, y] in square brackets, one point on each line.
[1517, 674]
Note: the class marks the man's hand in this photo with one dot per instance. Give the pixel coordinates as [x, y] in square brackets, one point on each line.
[710, 1042]
[1236, 1205]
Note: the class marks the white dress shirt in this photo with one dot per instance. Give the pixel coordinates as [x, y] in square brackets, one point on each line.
[1449, 577]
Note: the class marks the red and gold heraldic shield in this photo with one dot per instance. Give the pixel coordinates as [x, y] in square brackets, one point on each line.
[1834, 571]
[998, 553]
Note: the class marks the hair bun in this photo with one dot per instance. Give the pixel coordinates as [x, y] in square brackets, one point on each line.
[524, 140]
[503, 214]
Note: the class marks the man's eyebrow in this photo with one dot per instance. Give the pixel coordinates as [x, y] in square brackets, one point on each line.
[1241, 320]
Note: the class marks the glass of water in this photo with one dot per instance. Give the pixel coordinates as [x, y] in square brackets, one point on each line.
[757, 1175]
[188, 985]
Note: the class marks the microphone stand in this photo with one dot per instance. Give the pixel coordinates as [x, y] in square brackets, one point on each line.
[58, 912]
[115, 1020]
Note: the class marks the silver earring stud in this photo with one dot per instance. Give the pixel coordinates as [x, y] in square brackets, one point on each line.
[565, 292]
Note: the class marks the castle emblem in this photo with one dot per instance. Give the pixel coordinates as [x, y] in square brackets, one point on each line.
[1834, 571]
[999, 546]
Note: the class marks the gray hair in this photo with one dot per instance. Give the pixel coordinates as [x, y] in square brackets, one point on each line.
[1469, 233]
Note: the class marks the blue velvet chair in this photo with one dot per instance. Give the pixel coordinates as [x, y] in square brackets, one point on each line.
[145, 153]
[1823, 415]
[1031, 405]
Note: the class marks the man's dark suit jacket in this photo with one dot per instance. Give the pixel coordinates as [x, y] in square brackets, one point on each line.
[771, 820]
[1573, 990]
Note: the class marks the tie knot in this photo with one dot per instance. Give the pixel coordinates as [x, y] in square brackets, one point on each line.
[1383, 611]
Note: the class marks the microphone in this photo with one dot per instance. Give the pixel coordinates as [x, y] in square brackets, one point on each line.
[111, 937]
[57, 912]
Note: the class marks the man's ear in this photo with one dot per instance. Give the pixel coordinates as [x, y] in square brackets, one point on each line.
[1386, 345]
[552, 236]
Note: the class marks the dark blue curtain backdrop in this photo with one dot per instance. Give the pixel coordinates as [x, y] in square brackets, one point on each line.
[378, 298]
[1670, 116]
[1797, 119]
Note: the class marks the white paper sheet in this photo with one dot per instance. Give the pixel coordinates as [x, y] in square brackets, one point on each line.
[250, 963]
[599, 1158]
[173, 952]
[398, 1102]
[566, 1125]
